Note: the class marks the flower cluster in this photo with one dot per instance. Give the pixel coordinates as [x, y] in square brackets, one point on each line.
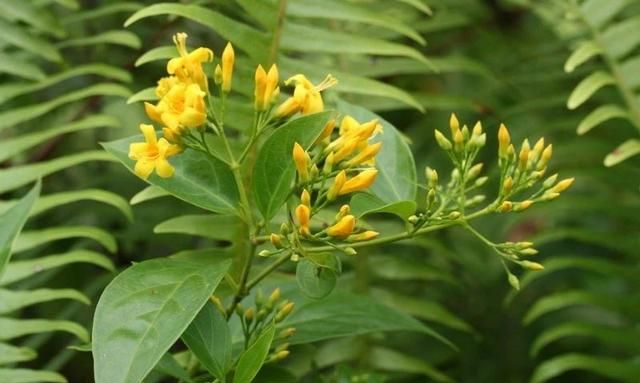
[186, 111]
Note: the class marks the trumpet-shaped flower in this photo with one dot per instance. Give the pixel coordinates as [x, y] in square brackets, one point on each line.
[188, 67]
[359, 182]
[306, 96]
[152, 154]
[343, 228]
[182, 107]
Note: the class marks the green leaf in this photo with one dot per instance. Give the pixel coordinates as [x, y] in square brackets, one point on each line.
[29, 13]
[581, 55]
[54, 200]
[21, 375]
[390, 360]
[15, 328]
[253, 358]
[274, 172]
[209, 338]
[317, 274]
[19, 270]
[629, 70]
[147, 194]
[624, 371]
[397, 170]
[199, 179]
[599, 115]
[243, 36]
[11, 354]
[19, 67]
[169, 366]
[12, 222]
[14, 300]
[587, 87]
[117, 37]
[158, 53]
[364, 204]
[419, 5]
[34, 238]
[218, 227]
[626, 150]
[339, 10]
[11, 147]
[13, 34]
[19, 115]
[147, 94]
[101, 11]
[346, 314]
[144, 310]
[622, 37]
[597, 15]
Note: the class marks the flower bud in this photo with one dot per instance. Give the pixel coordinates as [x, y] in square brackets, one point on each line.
[504, 139]
[217, 75]
[431, 197]
[284, 312]
[458, 141]
[350, 251]
[549, 182]
[545, 157]
[562, 185]
[342, 228]
[454, 215]
[326, 131]
[305, 198]
[284, 228]
[514, 281]
[442, 140]
[328, 164]
[432, 177]
[344, 210]
[522, 205]
[474, 171]
[507, 185]
[364, 236]
[360, 182]
[286, 333]
[475, 200]
[274, 297]
[264, 253]
[454, 124]
[301, 160]
[528, 251]
[524, 155]
[249, 314]
[549, 195]
[218, 303]
[228, 59]
[413, 219]
[338, 183]
[481, 181]
[276, 240]
[260, 86]
[535, 266]
[477, 129]
[505, 207]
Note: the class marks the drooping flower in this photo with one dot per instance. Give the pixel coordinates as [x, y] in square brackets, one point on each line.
[360, 182]
[343, 228]
[306, 97]
[188, 66]
[182, 107]
[152, 154]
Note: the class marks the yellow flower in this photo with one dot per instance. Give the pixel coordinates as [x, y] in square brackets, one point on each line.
[188, 67]
[326, 131]
[152, 154]
[343, 228]
[366, 155]
[306, 96]
[303, 215]
[359, 182]
[228, 58]
[165, 84]
[182, 107]
[301, 159]
[339, 181]
[266, 90]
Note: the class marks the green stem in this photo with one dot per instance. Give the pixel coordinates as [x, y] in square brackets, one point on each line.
[268, 270]
[275, 43]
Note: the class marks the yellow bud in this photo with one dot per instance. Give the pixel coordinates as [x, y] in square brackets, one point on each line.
[305, 198]
[549, 195]
[284, 312]
[514, 281]
[327, 130]
[346, 149]
[432, 177]
[281, 355]
[217, 75]
[228, 59]
[524, 155]
[260, 86]
[274, 297]
[458, 141]
[249, 314]
[528, 251]
[454, 124]
[507, 185]
[505, 207]
[563, 185]
[303, 215]
[300, 157]
[477, 129]
[545, 157]
[338, 183]
[474, 171]
[360, 182]
[366, 154]
[522, 205]
[218, 303]
[504, 139]
[344, 210]
[364, 236]
[535, 266]
[549, 182]
[442, 140]
[328, 164]
[271, 90]
[537, 149]
[286, 333]
[276, 240]
[342, 228]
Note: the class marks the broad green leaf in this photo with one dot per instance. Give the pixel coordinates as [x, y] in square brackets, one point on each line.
[147, 194]
[18, 270]
[622, 38]
[243, 36]
[396, 168]
[147, 94]
[253, 358]
[218, 227]
[12, 354]
[624, 371]
[14, 300]
[29, 13]
[169, 366]
[364, 204]
[346, 314]
[12, 146]
[17, 66]
[599, 115]
[144, 310]
[16, 116]
[274, 172]
[587, 87]
[625, 337]
[339, 10]
[22, 375]
[421, 308]
[317, 274]
[117, 37]
[12, 222]
[209, 338]
[582, 54]
[199, 179]
[14, 89]
[15, 328]
[626, 150]
[158, 53]
[28, 240]
[305, 38]
[13, 34]
[14, 177]
[390, 360]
